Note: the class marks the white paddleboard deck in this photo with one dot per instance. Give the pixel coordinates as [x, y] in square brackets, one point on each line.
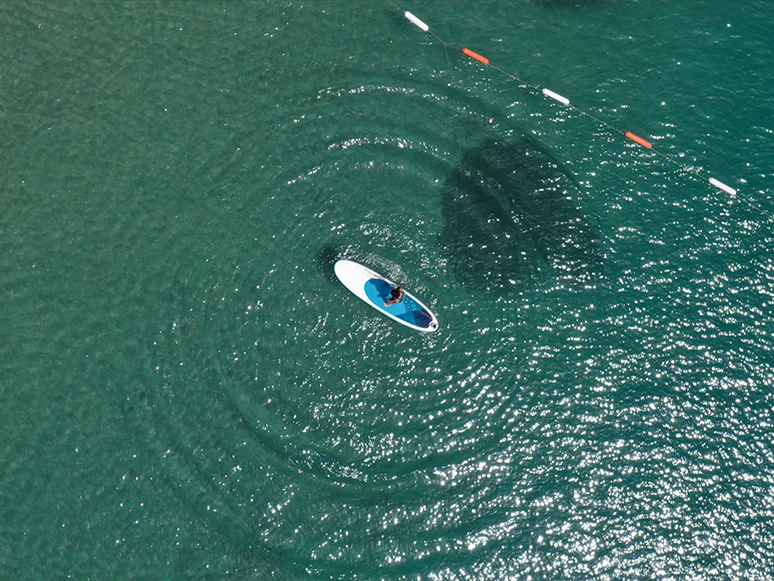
[375, 289]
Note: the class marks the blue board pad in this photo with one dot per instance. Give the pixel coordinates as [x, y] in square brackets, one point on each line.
[378, 291]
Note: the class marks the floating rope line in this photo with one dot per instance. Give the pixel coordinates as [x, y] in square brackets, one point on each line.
[566, 102]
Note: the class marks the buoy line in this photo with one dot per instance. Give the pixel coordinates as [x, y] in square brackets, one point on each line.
[566, 102]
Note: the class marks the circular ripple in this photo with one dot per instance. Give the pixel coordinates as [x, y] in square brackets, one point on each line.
[592, 418]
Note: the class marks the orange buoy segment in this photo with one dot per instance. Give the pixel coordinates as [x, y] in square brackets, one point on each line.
[475, 55]
[638, 139]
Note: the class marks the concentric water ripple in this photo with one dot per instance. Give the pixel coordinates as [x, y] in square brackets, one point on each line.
[588, 434]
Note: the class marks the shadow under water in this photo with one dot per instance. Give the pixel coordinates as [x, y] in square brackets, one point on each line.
[510, 216]
[327, 256]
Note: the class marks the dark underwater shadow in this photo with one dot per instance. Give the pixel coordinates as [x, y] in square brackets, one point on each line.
[327, 257]
[511, 216]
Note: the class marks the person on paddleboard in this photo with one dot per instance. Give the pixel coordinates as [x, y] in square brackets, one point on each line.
[396, 296]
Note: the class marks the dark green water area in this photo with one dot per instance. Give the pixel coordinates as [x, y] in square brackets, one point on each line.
[186, 392]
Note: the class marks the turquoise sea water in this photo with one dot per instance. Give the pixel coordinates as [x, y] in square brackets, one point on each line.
[187, 392]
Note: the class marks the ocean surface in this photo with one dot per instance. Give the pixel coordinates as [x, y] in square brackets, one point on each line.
[187, 392]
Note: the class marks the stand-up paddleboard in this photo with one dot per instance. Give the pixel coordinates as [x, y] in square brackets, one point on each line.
[375, 289]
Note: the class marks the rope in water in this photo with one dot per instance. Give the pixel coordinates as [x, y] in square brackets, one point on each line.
[566, 102]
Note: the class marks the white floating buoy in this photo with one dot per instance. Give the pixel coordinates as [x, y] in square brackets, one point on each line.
[720, 185]
[556, 97]
[414, 20]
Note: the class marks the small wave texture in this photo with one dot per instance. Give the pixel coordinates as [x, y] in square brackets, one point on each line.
[190, 393]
